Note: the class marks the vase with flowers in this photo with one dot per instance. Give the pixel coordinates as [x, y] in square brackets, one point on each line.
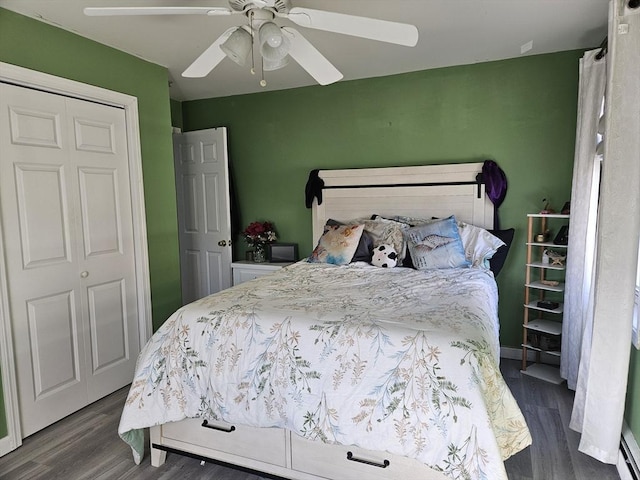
[258, 235]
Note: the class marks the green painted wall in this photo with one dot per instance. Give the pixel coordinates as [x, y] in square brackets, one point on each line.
[520, 113]
[176, 113]
[38, 46]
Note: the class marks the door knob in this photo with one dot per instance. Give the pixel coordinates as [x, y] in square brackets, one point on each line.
[84, 274]
[222, 243]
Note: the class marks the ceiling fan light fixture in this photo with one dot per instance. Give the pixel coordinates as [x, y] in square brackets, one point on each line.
[271, 65]
[270, 33]
[274, 46]
[237, 46]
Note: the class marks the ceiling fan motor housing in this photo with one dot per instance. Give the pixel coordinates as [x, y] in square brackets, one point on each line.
[278, 6]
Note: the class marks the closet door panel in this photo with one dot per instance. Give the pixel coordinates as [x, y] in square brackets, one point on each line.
[109, 325]
[101, 220]
[93, 135]
[53, 331]
[37, 128]
[42, 215]
[107, 256]
[40, 251]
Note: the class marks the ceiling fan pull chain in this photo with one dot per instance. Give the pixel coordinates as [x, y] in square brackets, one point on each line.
[263, 82]
[253, 63]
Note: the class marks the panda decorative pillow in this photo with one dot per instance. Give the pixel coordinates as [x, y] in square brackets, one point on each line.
[384, 256]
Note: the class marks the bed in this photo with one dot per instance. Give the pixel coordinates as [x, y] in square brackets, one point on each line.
[324, 371]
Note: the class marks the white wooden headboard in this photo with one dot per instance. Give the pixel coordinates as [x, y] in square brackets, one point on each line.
[423, 191]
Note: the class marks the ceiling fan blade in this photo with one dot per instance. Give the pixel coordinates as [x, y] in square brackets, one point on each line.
[208, 59]
[311, 59]
[371, 28]
[112, 11]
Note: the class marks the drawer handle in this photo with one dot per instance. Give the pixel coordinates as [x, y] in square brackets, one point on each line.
[384, 464]
[205, 424]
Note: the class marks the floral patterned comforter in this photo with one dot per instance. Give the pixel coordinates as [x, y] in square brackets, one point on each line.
[386, 359]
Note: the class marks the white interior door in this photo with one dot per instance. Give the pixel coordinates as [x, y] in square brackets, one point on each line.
[204, 223]
[68, 248]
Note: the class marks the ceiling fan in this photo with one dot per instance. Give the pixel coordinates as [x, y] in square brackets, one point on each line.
[276, 43]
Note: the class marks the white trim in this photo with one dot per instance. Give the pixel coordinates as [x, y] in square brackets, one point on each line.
[49, 83]
[7, 365]
[632, 451]
[623, 469]
[511, 353]
[6, 445]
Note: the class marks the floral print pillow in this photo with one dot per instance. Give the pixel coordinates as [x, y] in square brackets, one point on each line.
[337, 245]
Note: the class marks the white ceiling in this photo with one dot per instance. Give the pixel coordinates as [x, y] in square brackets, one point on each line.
[452, 32]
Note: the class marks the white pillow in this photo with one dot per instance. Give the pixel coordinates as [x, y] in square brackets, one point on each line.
[479, 244]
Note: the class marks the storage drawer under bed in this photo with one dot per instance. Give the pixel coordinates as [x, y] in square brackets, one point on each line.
[353, 463]
[262, 444]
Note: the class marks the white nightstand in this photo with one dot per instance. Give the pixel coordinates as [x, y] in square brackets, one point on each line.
[244, 271]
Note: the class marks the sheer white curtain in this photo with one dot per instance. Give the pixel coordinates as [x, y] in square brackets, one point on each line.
[578, 305]
[602, 375]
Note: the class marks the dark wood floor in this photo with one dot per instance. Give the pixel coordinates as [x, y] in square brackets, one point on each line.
[554, 453]
[86, 445]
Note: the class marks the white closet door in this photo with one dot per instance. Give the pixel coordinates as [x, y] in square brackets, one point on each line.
[204, 219]
[66, 217]
[106, 254]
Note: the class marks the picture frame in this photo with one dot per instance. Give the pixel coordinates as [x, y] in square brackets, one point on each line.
[283, 252]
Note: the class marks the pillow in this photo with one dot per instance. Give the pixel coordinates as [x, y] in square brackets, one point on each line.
[436, 245]
[387, 232]
[384, 256]
[337, 244]
[497, 261]
[365, 245]
[365, 248]
[479, 245]
[412, 221]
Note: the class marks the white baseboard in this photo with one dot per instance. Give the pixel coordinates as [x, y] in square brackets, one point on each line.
[6, 445]
[623, 468]
[512, 353]
[628, 469]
